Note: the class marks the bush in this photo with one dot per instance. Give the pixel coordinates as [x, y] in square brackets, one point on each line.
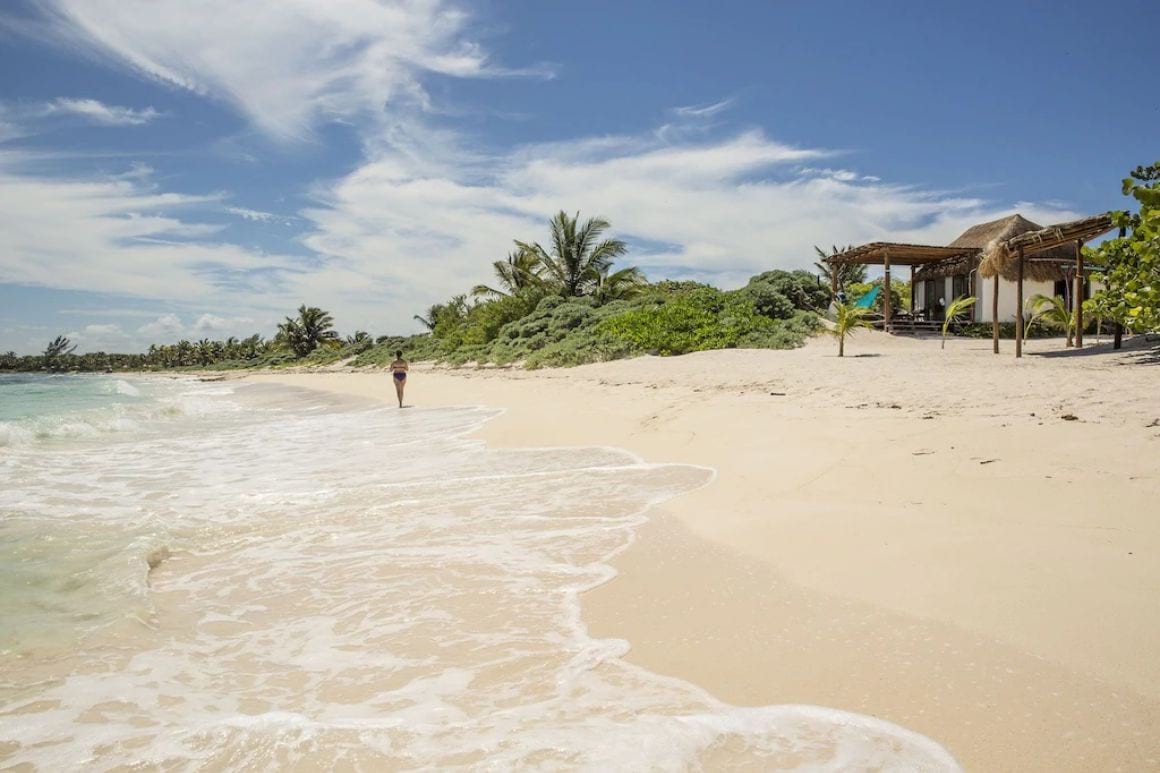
[769, 302]
[803, 289]
[699, 320]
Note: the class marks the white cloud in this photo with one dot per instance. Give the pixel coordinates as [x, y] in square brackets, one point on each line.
[285, 64]
[121, 235]
[93, 338]
[211, 323]
[24, 119]
[103, 330]
[99, 113]
[164, 328]
[717, 210]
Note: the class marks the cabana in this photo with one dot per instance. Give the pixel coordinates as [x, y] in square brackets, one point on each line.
[1011, 248]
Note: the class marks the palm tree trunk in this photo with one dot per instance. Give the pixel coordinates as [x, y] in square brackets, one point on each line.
[842, 345]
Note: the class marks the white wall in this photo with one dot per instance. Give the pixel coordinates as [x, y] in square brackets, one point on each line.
[984, 288]
[1008, 303]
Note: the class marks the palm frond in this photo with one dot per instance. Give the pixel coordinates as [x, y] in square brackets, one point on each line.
[954, 310]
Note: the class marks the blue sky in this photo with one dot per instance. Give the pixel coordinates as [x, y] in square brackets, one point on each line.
[197, 169]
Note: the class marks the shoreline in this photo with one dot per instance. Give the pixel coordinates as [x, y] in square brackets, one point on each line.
[946, 564]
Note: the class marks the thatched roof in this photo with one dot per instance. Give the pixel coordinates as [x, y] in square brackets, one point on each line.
[982, 237]
[1046, 250]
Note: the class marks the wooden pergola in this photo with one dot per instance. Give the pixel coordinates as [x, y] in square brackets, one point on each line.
[1009, 257]
[1015, 254]
[887, 254]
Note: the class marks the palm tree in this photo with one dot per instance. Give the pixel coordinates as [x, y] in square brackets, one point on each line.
[184, 352]
[619, 285]
[312, 328]
[847, 273]
[847, 319]
[954, 310]
[447, 315]
[203, 349]
[1050, 310]
[58, 347]
[520, 271]
[578, 255]
[251, 347]
[359, 337]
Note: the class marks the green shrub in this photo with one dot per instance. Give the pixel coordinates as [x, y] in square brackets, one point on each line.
[698, 320]
[803, 289]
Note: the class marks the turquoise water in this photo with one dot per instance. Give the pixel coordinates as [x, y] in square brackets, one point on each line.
[40, 407]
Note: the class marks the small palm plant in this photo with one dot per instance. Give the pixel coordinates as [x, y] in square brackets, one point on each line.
[956, 309]
[1050, 310]
[847, 319]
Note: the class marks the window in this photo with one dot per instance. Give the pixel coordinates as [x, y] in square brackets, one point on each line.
[960, 286]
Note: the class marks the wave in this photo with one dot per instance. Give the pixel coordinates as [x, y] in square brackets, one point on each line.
[137, 416]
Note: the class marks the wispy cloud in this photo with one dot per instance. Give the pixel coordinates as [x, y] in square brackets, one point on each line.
[290, 63]
[24, 119]
[99, 113]
[703, 111]
[117, 234]
[259, 216]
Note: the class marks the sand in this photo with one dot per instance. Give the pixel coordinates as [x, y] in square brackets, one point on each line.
[962, 543]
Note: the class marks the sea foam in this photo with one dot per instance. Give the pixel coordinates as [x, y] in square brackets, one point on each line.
[351, 586]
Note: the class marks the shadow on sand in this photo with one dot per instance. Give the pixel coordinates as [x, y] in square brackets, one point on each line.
[1137, 350]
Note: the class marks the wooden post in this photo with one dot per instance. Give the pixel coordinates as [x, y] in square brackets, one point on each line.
[995, 314]
[833, 283]
[912, 296]
[1118, 330]
[886, 325]
[1077, 296]
[1019, 308]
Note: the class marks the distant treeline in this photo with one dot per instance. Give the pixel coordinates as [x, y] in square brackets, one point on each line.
[566, 304]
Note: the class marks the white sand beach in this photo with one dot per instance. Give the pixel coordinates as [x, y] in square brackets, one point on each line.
[961, 543]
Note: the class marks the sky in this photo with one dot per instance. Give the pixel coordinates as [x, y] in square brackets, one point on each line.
[199, 168]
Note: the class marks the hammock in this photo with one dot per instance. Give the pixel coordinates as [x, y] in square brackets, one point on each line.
[867, 300]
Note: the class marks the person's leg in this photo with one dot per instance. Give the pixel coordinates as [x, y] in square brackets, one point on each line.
[399, 384]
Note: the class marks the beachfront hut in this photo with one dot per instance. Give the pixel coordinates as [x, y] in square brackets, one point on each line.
[1021, 258]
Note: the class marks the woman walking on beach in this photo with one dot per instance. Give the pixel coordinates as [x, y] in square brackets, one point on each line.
[399, 374]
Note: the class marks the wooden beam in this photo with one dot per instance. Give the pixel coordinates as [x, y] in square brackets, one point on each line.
[1019, 308]
[886, 288]
[995, 314]
[1077, 296]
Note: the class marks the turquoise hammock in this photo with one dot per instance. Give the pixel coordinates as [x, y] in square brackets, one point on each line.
[867, 300]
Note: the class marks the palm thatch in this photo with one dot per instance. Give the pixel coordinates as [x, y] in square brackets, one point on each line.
[990, 237]
[956, 266]
[1049, 248]
[1047, 251]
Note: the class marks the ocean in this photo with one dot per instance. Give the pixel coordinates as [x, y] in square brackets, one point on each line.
[208, 576]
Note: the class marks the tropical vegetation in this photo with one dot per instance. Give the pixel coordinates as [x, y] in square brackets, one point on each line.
[563, 302]
[847, 319]
[1050, 311]
[955, 311]
[1130, 293]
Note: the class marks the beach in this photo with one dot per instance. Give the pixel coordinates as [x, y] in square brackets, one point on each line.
[960, 543]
